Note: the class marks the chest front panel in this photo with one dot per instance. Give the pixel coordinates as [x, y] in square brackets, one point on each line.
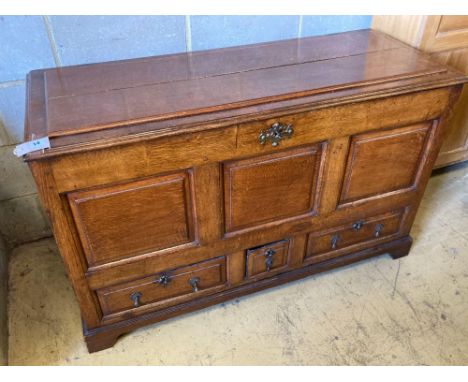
[167, 217]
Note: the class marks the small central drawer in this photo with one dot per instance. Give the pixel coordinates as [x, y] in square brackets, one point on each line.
[267, 259]
[162, 288]
[358, 231]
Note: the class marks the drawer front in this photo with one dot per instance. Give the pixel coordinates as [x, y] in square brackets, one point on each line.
[267, 259]
[165, 287]
[359, 231]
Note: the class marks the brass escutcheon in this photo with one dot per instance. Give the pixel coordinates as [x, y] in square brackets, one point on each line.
[275, 134]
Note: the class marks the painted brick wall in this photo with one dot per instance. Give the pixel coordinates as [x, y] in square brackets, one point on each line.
[34, 42]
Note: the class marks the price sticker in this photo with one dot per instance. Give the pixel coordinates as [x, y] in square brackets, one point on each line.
[30, 146]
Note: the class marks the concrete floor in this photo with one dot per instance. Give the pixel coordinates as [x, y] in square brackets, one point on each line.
[378, 312]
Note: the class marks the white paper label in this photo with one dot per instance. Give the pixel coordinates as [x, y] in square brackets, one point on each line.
[30, 146]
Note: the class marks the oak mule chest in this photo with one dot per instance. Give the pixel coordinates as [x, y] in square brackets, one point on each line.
[177, 182]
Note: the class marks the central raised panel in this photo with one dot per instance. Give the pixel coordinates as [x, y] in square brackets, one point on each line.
[270, 188]
[134, 218]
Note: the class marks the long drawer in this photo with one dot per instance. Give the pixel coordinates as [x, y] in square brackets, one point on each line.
[360, 231]
[165, 288]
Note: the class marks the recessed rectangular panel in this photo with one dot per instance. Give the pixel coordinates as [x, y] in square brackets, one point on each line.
[134, 218]
[445, 33]
[383, 162]
[271, 187]
[453, 23]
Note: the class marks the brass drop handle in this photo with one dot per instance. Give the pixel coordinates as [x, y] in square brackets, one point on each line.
[269, 258]
[358, 225]
[378, 229]
[163, 279]
[334, 241]
[275, 133]
[135, 297]
[194, 283]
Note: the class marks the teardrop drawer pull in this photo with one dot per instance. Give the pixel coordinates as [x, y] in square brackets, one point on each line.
[334, 241]
[269, 258]
[378, 230]
[135, 297]
[194, 283]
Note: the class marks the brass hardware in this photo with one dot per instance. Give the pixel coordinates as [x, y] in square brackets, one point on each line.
[334, 241]
[194, 283]
[275, 134]
[378, 230]
[163, 279]
[269, 258]
[135, 297]
[358, 225]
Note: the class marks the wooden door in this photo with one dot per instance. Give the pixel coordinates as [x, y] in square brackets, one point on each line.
[445, 32]
[446, 38]
[455, 145]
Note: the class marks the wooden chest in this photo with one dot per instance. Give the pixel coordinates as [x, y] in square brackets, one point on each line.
[177, 182]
